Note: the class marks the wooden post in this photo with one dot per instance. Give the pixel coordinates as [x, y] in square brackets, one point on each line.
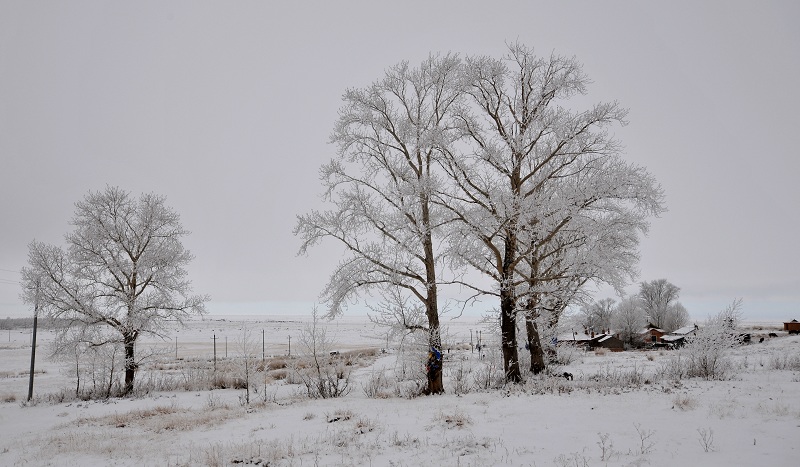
[215, 352]
[33, 343]
[290, 346]
[262, 346]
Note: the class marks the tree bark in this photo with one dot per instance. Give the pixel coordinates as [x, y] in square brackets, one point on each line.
[435, 360]
[129, 340]
[534, 343]
[508, 331]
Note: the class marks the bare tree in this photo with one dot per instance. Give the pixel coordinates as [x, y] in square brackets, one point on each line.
[657, 296]
[382, 186]
[122, 275]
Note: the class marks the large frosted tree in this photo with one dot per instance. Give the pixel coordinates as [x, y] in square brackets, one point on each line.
[123, 273]
[596, 242]
[527, 169]
[660, 303]
[381, 190]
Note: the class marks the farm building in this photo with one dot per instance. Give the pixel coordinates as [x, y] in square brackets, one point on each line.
[651, 334]
[606, 341]
[574, 338]
[678, 337]
[792, 326]
[673, 340]
[685, 331]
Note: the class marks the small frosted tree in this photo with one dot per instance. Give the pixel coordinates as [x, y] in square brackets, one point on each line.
[122, 275]
[323, 378]
[707, 353]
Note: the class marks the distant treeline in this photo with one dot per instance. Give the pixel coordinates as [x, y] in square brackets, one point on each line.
[23, 323]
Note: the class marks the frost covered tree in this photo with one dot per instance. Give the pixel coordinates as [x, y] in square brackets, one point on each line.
[532, 169]
[677, 317]
[122, 274]
[658, 297]
[707, 352]
[591, 248]
[597, 315]
[382, 189]
[629, 320]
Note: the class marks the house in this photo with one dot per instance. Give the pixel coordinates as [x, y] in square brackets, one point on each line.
[792, 326]
[678, 337]
[685, 331]
[652, 334]
[574, 338]
[606, 341]
[673, 341]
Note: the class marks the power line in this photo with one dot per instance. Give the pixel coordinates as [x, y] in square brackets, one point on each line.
[9, 270]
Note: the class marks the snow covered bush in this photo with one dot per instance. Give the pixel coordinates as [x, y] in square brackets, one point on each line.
[459, 378]
[707, 353]
[324, 377]
[376, 385]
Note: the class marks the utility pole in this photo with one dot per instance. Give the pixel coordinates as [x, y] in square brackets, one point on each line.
[215, 351]
[33, 343]
[262, 346]
[290, 346]
[176, 347]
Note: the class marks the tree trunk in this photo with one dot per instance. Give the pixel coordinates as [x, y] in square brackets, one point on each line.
[508, 332]
[435, 360]
[534, 344]
[130, 362]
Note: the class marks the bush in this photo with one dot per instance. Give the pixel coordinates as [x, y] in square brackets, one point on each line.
[376, 385]
[707, 353]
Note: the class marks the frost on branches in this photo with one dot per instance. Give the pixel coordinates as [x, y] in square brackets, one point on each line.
[543, 199]
[707, 353]
[382, 189]
[481, 164]
[122, 275]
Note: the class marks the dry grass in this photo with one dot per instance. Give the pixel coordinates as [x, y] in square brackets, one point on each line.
[684, 402]
[163, 418]
[276, 364]
[339, 415]
[456, 419]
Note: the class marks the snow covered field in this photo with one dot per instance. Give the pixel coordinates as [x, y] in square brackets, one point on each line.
[621, 408]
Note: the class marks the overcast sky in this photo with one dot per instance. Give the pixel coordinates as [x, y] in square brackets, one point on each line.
[226, 108]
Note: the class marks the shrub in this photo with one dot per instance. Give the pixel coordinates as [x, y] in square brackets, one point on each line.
[459, 378]
[684, 402]
[707, 353]
[376, 385]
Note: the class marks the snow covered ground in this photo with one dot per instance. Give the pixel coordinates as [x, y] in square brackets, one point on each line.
[621, 409]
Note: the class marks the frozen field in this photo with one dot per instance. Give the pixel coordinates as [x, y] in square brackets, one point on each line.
[621, 409]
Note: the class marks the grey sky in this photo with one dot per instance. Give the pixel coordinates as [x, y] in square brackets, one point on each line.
[226, 108]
